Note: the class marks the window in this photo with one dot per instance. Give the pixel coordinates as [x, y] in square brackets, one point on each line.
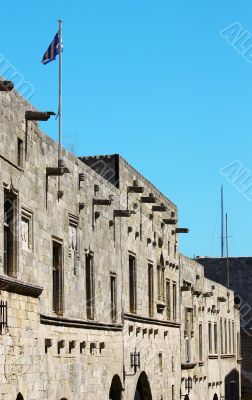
[161, 281]
[174, 301]
[175, 250]
[173, 364]
[229, 337]
[160, 361]
[90, 286]
[58, 278]
[113, 291]
[225, 335]
[73, 246]
[168, 299]
[10, 242]
[238, 345]
[200, 343]
[151, 289]
[188, 349]
[210, 338]
[215, 338]
[173, 392]
[233, 337]
[20, 153]
[3, 315]
[26, 230]
[221, 334]
[132, 284]
[169, 248]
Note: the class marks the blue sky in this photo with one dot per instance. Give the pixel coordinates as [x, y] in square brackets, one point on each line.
[155, 82]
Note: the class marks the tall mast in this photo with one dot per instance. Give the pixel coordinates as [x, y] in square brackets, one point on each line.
[222, 223]
[60, 161]
[228, 280]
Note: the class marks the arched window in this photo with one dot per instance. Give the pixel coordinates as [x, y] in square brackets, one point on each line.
[19, 396]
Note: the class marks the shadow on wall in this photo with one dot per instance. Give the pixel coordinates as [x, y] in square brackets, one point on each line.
[232, 385]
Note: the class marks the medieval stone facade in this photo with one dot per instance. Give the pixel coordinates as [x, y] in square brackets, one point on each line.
[96, 301]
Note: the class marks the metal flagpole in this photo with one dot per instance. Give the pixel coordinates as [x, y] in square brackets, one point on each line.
[60, 161]
[227, 251]
[222, 223]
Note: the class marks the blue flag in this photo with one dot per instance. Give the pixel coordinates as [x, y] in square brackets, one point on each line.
[52, 51]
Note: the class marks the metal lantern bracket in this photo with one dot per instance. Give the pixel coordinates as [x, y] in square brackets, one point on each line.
[134, 363]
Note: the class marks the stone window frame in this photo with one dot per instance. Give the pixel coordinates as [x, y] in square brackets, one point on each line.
[113, 294]
[74, 222]
[90, 284]
[151, 288]
[174, 300]
[215, 337]
[200, 342]
[20, 152]
[58, 301]
[27, 215]
[132, 282]
[210, 338]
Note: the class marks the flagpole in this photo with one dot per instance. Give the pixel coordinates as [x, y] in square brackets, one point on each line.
[60, 161]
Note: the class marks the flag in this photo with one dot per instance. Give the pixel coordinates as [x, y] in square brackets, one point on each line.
[52, 51]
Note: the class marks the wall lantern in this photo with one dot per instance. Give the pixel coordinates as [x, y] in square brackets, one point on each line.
[6, 86]
[134, 363]
[188, 384]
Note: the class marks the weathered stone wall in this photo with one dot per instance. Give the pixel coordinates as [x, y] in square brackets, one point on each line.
[240, 271]
[70, 356]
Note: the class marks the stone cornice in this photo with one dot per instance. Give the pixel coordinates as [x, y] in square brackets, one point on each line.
[14, 285]
[78, 323]
[152, 321]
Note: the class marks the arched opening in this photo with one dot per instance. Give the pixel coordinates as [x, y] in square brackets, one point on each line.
[215, 397]
[143, 391]
[19, 396]
[187, 397]
[115, 392]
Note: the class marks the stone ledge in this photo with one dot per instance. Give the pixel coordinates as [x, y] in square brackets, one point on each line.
[78, 323]
[14, 285]
[146, 320]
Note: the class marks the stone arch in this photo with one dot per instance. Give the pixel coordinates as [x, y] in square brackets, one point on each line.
[115, 391]
[215, 397]
[19, 396]
[143, 390]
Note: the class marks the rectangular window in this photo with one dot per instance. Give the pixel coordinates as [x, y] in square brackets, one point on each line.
[233, 337]
[26, 230]
[90, 286]
[10, 230]
[215, 338]
[160, 360]
[238, 344]
[174, 301]
[175, 250]
[168, 299]
[225, 335]
[229, 337]
[221, 335]
[113, 291]
[210, 338]
[73, 246]
[20, 153]
[132, 284]
[169, 248]
[200, 343]
[58, 278]
[173, 392]
[151, 289]
[159, 282]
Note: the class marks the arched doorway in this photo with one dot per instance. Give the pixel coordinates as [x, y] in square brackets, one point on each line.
[143, 391]
[19, 396]
[115, 392]
[215, 397]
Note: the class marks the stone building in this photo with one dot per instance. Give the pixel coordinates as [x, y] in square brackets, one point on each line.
[240, 277]
[96, 301]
